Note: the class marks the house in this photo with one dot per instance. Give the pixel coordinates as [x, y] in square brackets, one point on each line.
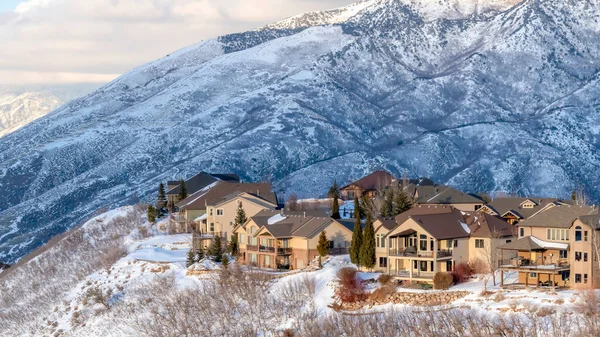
[192, 212]
[443, 195]
[288, 240]
[221, 212]
[515, 209]
[383, 226]
[555, 248]
[369, 185]
[196, 183]
[486, 234]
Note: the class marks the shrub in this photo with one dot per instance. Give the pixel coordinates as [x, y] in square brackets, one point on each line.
[350, 289]
[382, 292]
[461, 273]
[478, 266]
[442, 280]
[384, 279]
[499, 297]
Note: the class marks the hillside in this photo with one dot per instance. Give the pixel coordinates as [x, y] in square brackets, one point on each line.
[488, 96]
[19, 110]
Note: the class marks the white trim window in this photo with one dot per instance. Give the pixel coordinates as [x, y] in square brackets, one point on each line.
[219, 211]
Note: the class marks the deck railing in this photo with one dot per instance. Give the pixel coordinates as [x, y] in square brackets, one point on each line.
[427, 254]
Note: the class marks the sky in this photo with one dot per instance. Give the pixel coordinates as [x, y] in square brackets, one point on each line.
[55, 42]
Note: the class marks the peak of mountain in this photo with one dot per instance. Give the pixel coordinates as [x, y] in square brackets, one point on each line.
[501, 98]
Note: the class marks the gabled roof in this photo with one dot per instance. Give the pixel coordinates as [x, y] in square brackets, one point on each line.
[201, 180]
[502, 206]
[591, 220]
[245, 197]
[291, 224]
[444, 195]
[420, 210]
[373, 181]
[558, 216]
[483, 225]
[531, 243]
[221, 190]
[387, 223]
[443, 225]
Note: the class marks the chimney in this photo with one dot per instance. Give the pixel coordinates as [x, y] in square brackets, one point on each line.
[304, 214]
[257, 191]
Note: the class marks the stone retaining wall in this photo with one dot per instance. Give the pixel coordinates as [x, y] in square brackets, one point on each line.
[411, 298]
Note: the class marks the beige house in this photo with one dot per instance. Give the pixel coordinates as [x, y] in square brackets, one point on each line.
[196, 183]
[435, 195]
[555, 248]
[516, 209]
[368, 185]
[277, 240]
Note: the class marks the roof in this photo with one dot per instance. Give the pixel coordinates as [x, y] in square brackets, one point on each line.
[501, 206]
[444, 195]
[244, 196]
[561, 216]
[291, 224]
[373, 181]
[483, 225]
[422, 209]
[442, 225]
[591, 220]
[387, 223]
[201, 180]
[531, 243]
[349, 223]
[222, 190]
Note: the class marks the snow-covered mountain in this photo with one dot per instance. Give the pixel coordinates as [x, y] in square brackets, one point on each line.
[18, 110]
[485, 95]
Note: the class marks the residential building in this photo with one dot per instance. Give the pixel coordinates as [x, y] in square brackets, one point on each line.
[555, 248]
[428, 195]
[369, 185]
[196, 183]
[516, 209]
[289, 240]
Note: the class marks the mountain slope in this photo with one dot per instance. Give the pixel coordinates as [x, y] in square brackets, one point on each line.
[485, 98]
[18, 110]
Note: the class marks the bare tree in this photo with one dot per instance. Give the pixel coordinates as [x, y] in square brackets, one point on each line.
[489, 256]
[580, 198]
[292, 202]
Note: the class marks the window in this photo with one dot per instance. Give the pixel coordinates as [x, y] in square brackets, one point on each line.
[564, 254]
[431, 245]
[584, 278]
[331, 244]
[380, 241]
[267, 260]
[578, 233]
[242, 237]
[253, 258]
[423, 266]
[210, 211]
[557, 234]
[479, 243]
[577, 256]
[212, 227]
[449, 243]
[508, 241]
[455, 243]
[383, 262]
[414, 264]
[423, 242]
[449, 266]
[585, 257]
[477, 207]
[431, 265]
[585, 235]
[577, 278]
[219, 211]
[532, 275]
[521, 232]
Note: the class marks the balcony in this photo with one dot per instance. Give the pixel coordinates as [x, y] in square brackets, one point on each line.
[528, 265]
[284, 251]
[253, 248]
[266, 249]
[208, 235]
[411, 252]
[405, 274]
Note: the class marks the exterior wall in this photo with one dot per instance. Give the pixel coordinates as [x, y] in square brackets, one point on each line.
[336, 232]
[225, 223]
[460, 253]
[579, 266]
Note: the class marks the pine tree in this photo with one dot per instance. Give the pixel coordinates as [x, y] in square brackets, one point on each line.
[402, 202]
[356, 235]
[367, 249]
[320, 263]
[161, 200]
[323, 245]
[225, 261]
[182, 190]
[334, 193]
[240, 216]
[199, 255]
[190, 258]
[234, 246]
[151, 214]
[216, 249]
[387, 208]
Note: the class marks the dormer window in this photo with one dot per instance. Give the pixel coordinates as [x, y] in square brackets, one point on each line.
[528, 204]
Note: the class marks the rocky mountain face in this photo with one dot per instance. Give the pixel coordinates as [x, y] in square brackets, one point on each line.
[17, 110]
[495, 96]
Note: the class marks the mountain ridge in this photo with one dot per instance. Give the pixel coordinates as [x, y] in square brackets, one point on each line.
[461, 100]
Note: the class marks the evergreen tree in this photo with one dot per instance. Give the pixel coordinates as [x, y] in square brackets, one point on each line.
[334, 193]
[161, 201]
[182, 190]
[356, 235]
[387, 208]
[216, 249]
[367, 249]
[240, 216]
[234, 246]
[199, 254]
[225, 261]
[320, 263]
[190, 258]
[151, 214]
[402, 202]
[323, 245]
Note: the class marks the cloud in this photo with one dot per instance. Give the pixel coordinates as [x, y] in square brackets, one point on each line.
[70, 41]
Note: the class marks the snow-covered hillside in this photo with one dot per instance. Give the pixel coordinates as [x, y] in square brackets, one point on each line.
[487, 96]
[19, 110]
